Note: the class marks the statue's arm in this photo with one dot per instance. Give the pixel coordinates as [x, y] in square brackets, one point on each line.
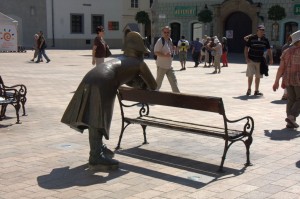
[147, 76]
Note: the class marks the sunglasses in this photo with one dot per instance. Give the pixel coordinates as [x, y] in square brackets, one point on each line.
[167, 32]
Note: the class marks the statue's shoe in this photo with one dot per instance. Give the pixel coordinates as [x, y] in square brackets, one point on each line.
[107, 152]
[103, 163]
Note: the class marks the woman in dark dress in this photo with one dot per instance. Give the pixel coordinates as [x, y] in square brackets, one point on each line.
[92, 104]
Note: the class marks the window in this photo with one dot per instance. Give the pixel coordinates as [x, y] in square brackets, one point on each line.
[97, 20]
[76, 23]
[134, 3]
[113, 25]
[151, 2]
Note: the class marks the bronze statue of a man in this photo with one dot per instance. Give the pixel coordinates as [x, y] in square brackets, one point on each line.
[92, 104]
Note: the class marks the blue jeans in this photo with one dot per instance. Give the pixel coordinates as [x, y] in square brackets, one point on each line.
[42, 52]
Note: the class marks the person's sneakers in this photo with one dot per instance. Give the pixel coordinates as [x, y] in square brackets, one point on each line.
[215, 72]
[32, 60]
[291, 121]
[257, 93]
[48, 61]
[248, 92]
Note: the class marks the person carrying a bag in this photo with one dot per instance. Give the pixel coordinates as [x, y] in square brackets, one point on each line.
[100, 48]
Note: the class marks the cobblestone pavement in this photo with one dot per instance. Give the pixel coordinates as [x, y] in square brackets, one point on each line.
[43, 158]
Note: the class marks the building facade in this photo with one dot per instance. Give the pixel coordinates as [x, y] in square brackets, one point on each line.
[231, 18]
[70, 24]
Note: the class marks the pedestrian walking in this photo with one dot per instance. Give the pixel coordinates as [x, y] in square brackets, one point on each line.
[164, 50]
[290, 69]
[42, 45]
[196, 51]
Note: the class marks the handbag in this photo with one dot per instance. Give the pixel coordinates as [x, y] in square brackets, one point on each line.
[107, 52]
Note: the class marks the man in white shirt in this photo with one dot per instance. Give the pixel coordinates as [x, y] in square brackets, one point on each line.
[164, 50]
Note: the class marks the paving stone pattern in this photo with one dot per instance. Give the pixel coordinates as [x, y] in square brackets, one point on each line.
[43, 158]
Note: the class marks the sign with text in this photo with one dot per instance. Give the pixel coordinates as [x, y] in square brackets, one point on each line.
[8, 38]
[185, 11]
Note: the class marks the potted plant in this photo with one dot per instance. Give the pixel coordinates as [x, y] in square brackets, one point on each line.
[142, 17]
[276, 13]
[205, 16]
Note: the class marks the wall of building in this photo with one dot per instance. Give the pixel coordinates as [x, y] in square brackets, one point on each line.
[163, 12]
[31, 17]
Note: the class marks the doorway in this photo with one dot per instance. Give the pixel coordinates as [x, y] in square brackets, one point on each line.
[175, 32]
[237, 26]
[289, 28]
[196, 31]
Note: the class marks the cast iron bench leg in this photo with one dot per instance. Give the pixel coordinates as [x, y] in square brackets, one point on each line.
[144, 132]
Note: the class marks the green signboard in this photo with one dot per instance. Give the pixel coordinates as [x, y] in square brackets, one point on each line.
[185, 11]
[297, 9]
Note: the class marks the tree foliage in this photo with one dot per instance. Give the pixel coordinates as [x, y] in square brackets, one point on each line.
[142, 17]
[276, 13]
[205, 16]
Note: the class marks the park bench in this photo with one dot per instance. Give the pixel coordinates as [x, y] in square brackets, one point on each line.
[13, 100]
[141, 99]
[14, 95]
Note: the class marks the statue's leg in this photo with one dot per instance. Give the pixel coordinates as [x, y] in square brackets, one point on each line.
[98, 160]
[107, 152]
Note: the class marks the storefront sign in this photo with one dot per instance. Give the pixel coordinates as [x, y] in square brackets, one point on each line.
[297, 9]
[185, 11]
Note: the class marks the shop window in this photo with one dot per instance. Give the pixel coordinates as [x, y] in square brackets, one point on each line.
[113, 25]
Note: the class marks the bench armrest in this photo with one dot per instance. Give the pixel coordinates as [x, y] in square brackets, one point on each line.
[248, 126]
[21, 88]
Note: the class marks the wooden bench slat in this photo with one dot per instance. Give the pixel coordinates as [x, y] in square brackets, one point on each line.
[179, 100]
[184, 126]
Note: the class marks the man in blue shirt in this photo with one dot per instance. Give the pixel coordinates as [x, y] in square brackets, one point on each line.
[197, 46]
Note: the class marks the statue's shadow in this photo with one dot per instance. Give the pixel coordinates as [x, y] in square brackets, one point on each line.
[61, 178]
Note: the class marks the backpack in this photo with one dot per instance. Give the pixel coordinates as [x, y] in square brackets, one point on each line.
[163, 43]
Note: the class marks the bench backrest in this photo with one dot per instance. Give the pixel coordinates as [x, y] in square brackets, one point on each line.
[180, 100]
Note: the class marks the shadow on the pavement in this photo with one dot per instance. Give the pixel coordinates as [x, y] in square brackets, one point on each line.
[279, 102]
[61, 178]
[283, 134]
[298, 164]
[203, 173]
[247, 97]
[5, 126]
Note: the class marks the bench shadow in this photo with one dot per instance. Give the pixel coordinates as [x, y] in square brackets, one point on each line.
[200, 173]
[61, 178]
[282, 135]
